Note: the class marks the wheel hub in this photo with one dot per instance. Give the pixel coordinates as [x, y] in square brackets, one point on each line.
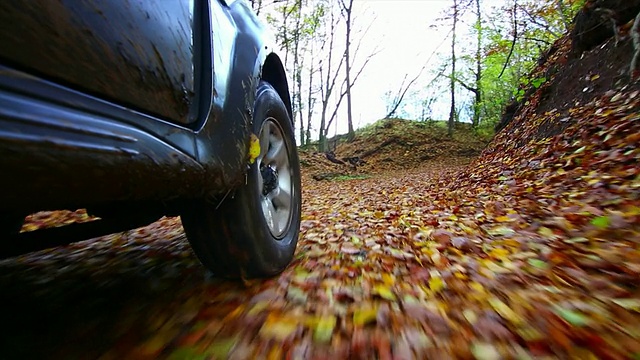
[269, 178]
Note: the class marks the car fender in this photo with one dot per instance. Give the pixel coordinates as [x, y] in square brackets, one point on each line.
[222, 144]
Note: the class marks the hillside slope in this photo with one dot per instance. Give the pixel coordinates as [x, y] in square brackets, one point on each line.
[582, 125]
[390, 145]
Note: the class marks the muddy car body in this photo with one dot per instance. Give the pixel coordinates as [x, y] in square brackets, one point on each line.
[139, 109]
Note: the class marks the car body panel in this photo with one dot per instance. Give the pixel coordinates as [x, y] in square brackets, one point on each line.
[57, 156]
[47, 124]
[244, 50]
[138, 53]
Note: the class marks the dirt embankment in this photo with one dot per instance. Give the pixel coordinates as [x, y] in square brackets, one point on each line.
[393, 145]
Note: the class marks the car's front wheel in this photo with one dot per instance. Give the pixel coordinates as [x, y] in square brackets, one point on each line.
[253, 231]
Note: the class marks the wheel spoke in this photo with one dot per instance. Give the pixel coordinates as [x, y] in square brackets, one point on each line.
[282, 199]
[280, 154]
[269, 212]
[265, 137]
[260, 183]
[283, 222]
[275, 151]
[284, 185]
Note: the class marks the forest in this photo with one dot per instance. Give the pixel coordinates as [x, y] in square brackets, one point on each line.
[489, 50]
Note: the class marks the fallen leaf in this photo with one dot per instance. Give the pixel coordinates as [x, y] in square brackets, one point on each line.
[324, 329]
[384, 292]
[364, 316]
[572, 317]
[601, 222]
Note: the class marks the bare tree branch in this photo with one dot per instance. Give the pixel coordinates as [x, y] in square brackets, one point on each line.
[536, 21]
[515, 38]
[343, 93]
[548, 43]
[402, 92]
[472, 89]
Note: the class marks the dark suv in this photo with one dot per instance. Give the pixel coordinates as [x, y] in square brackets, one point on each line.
[143, 108]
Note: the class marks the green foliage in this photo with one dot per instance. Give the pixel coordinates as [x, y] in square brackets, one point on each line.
[538, 82]
[519, 93]
[506, 65]
[485, 131]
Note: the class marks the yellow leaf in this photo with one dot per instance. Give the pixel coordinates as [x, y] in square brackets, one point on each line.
[384, 292]
[436, 257]
[428, 251]
[29, 227]
[254, 148]
[501, 231]
[529, 333]
[259, 307]
[324, 329]
[275, 353]
[436, 284]
[236, 312]
[470, 316]
[485, 351]
[460, 276]
[477, 286]
[504, 219]
[498, 253]
[364, 316]
[633, 211]
[466, 228]
[503, 310]
[546, 232]
[388, 279]
[629, 304]
[510, 242]
[278, 328]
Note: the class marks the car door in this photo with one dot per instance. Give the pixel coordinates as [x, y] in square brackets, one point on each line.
[136, 53]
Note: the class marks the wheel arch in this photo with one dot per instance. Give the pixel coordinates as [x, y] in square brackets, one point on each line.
[273, 72]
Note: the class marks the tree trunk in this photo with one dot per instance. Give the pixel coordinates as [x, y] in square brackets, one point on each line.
[256, 5]
[478, 100]
[562, 9]
[310, 99]
[452, 111]
[297, 65]
[351, 133]
[327, 87]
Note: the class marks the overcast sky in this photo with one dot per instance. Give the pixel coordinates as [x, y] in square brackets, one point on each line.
[407, 34]
[402, 33]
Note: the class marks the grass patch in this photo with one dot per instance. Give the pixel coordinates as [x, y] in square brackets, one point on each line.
[350, 177]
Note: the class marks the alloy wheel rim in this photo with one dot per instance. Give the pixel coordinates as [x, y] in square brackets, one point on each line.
[276, 189]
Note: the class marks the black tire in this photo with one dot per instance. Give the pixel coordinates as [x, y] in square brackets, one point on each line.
[233, 238]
